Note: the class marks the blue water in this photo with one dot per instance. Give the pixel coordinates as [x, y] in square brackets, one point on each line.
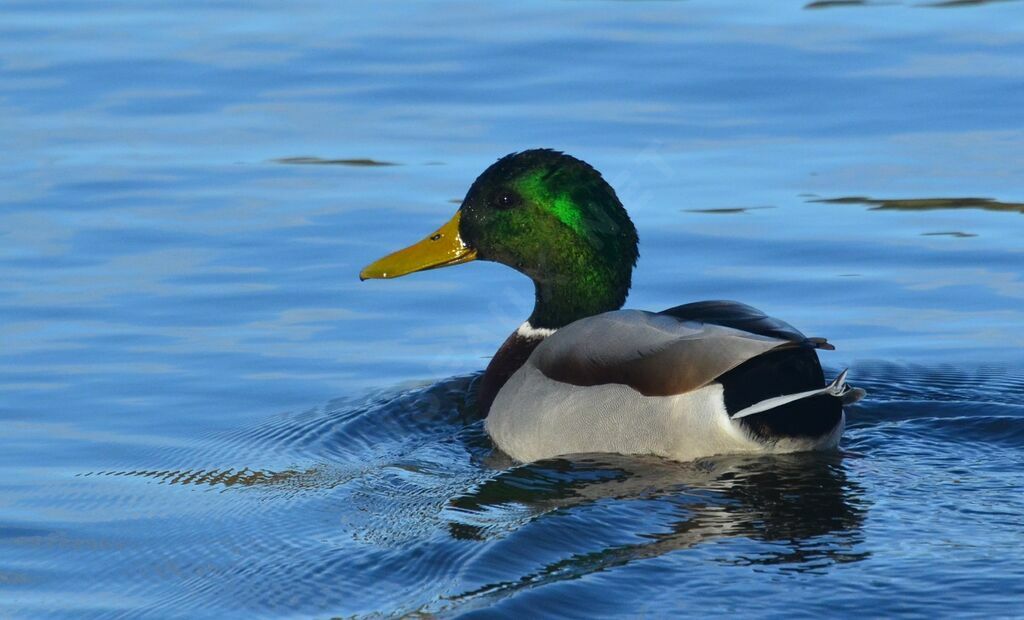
[203, 412]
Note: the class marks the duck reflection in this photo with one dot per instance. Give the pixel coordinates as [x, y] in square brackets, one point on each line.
[410, 466]
[802, 503]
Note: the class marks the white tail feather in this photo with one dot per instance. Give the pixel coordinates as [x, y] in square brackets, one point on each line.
[837, 388]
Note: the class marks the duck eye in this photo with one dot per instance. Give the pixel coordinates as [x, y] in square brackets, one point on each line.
[506, 200]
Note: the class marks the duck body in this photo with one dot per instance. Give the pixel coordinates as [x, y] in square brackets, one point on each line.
[582, 376]
[671, 385]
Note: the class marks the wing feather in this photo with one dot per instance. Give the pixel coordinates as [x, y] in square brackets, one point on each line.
[743, 317]
[655, 354]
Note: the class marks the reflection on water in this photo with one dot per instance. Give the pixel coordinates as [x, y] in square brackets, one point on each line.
[926, 204]
[413, 472]
[358, 161]
[214, 477]
[803, 505]
[953, 233]
[405, 488]
[372, 506]
[791, 498]
[726, 210]
[959, 3]
[828, 4]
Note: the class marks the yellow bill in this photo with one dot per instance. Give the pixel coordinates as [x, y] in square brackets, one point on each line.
[442, 248]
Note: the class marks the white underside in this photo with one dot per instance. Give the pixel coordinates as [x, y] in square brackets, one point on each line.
[534, 418]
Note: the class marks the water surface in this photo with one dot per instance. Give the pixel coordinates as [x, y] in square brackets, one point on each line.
[203, 412]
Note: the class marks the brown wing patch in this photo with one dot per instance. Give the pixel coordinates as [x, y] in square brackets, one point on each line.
[655, 354]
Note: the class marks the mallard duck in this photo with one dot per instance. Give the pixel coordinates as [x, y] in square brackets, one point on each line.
[580, 375]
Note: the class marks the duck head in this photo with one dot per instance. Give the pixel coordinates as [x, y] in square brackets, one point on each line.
[547, 215]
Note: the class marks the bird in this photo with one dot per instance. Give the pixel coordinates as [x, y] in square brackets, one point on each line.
[582, 375]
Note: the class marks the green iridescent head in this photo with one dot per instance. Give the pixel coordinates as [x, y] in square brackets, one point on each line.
[555, 219]
[547, 215]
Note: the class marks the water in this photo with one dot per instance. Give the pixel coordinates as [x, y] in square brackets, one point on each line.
[205, 414]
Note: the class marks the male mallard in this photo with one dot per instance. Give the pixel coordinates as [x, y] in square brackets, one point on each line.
[580, 375]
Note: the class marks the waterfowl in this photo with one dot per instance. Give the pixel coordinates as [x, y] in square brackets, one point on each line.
[580, 375]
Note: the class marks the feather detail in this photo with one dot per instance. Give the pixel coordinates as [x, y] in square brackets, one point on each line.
[838, 388]
[655, 354]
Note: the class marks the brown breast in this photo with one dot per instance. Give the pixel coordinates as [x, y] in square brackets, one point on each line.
[509, 358]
